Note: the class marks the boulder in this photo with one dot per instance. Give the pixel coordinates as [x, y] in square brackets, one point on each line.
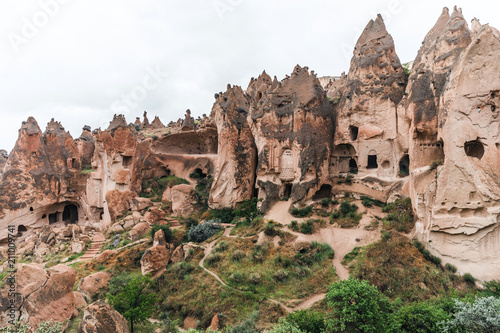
[116, 228]
[139, 230]
[41, 250]
[80, 302]
[93, 284]
[104, 256]
[159, 238]
[100, 317]
[182, 201]
[47, 295]
[177, 255]
[155, 260]
[128, 222]
[155, 216]
[77, 246]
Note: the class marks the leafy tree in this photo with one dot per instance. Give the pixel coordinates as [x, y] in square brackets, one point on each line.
[308, 321]
[358, 307]
[422, 317]
[134, 299]
[480, 316]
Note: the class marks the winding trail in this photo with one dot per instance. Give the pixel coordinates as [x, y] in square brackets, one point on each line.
[327, 235]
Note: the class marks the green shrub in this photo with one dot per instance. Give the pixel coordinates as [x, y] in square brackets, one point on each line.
[483, 315]
[280, 275]
[212, 259]
[294, 225]
[308, 321]
[421, 317]
[302, 212]
[385, 235]
[284, 326]
[325, 202]
[346, 216]
[469, 278]
[154, 188]
[238, 255]
[358, 307]
[400, 216]
[248, 209]
[449, 267]
[166, 231]
[435, 260]
[307, 227]
[226, 215]
[270, 229]
[204, 231]
[435, 164]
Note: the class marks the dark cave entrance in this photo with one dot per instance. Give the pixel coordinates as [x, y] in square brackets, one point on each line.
[325, 191]
[198, 174]
[70, 214]
[353, 166]
[53, 218]
[372, 162]
[404, 166]
[353, 131]
[21, 229]
[287, 191]
[474, 149]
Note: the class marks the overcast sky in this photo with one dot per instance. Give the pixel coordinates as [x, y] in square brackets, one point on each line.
[81, 61]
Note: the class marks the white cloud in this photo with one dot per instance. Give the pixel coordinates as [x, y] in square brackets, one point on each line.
[90, 53]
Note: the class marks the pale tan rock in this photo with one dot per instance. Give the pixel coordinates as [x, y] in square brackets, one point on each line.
[80, 302]
[77, 246]
[116, 228]
[100, 317]
[155, 260]
[41, 250]
[93, 283]
[182, 201]
[139, 230]
[159, 238]
[177, 254]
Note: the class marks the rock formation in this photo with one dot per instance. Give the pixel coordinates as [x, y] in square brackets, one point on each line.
[383, 123]
[100, 317]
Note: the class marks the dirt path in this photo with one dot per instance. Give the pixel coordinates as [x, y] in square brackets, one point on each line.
[342, 241]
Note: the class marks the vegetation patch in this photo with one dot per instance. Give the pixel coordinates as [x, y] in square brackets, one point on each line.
[399, 216]
[302, 212]
[399, 270]
[154, 188]
[276, 272]
[346, 216]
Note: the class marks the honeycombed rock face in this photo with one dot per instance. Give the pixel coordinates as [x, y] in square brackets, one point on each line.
[463, 203]
[370, 135]
[41, 177]
[235, 177]
[431, 70]
[292, 124]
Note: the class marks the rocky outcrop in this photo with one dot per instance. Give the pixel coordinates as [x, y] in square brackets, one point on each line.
[155, 260]
[458, 208]
[43, 295]
[93, 284]
[100, 317]
[432, 67]
[139, 230]
[41, 178]
[292, 124]
[235, 178]
[370, 136]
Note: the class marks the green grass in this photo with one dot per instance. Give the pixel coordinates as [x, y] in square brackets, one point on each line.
[399, 216]
[302, 212]
[154, 188]
[346, 216]
[86, 171]
[276, 272]
[399, 270]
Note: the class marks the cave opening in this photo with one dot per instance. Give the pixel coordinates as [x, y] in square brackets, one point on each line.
[287, 191]
[353, 166]
[325, 191]
[70, 214]
[474, 149]
[198, 174]
[353, 131]
[404, 165]
[372, 162]
[127, 162]
[53, 218]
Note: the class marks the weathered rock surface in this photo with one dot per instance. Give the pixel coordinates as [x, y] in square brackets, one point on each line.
[139, 230]
[155, 260]
[93, 283]
[100, 317]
